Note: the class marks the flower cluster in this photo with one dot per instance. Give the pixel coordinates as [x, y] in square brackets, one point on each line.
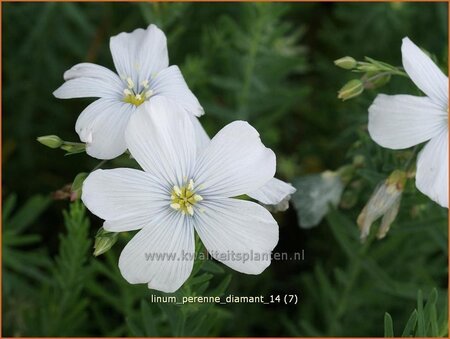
[188, 181]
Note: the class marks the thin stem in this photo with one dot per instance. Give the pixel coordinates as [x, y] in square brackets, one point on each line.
[411, 158]
[100, 164]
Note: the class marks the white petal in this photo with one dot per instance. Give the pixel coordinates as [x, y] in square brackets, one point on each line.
[235, 162]
[160, 254]
[126, 198]
[160, 136]
[90, 80]
[140, 54]
[432, 169]
[274, 192]
[241, 234]
[425, 74]
[402, 121]
[315, 194]
[201, 136]
[102, 126]
[171, 84]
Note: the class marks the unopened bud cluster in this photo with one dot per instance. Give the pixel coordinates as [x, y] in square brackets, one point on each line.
[53, 141]
[376, 74]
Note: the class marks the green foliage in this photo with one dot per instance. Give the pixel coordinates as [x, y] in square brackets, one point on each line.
[55, 305]
[138, 315]
[271, 64]
[63, 301]
[425, 321]
[375, 275]
[24, 262]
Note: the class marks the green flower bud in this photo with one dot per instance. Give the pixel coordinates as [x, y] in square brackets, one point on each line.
[397, 179]
[368, 67]
[372, 81]
[346, 173]
[351, 89]
[346, 62]
[78, 183]
[52, 141]
[73, 148]
[359, 160]
[104, 240]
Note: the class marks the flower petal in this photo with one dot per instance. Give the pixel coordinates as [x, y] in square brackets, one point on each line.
[275, 192]
[315, 194]
[90, 80]
[161, 254]
[238, 233]
[140, 54]
[160, 136]
[402, 121]
[425, 74]
[102, 126]
[202, 138]
[126, 198]
[171, 84]
[432, 169]
[235, 162]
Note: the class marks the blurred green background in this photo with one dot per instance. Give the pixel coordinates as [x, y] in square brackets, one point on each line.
[270, 64]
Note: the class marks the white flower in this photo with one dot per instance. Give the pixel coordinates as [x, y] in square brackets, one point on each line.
[141, 61]
[315, 194]
[275, 194]
[402, 121]
[384, 203]
[181, 190]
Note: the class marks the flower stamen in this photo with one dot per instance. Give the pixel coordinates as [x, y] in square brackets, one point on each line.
[130, 83]
[184, 198]
[133, 95]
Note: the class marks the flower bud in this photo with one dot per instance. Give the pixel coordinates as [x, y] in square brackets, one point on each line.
[104, 240]
[351, 89]
[52, 141]
[346, 62]
[384, 203]
[73, 148]
[368, 67]
[359, 160]
[78, 184]
[375, 80]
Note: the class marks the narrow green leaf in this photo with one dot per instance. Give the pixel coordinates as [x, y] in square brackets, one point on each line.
[410, 325]
[388, 326]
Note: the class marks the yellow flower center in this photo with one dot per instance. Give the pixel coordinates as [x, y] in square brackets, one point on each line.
[184, 198]
[133, 96]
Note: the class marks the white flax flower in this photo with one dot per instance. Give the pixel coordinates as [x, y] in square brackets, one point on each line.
[402, 121]
[181, 190]
[142, 63]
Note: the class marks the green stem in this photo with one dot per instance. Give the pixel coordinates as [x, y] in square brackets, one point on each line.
[408, 163]
[100, 164]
